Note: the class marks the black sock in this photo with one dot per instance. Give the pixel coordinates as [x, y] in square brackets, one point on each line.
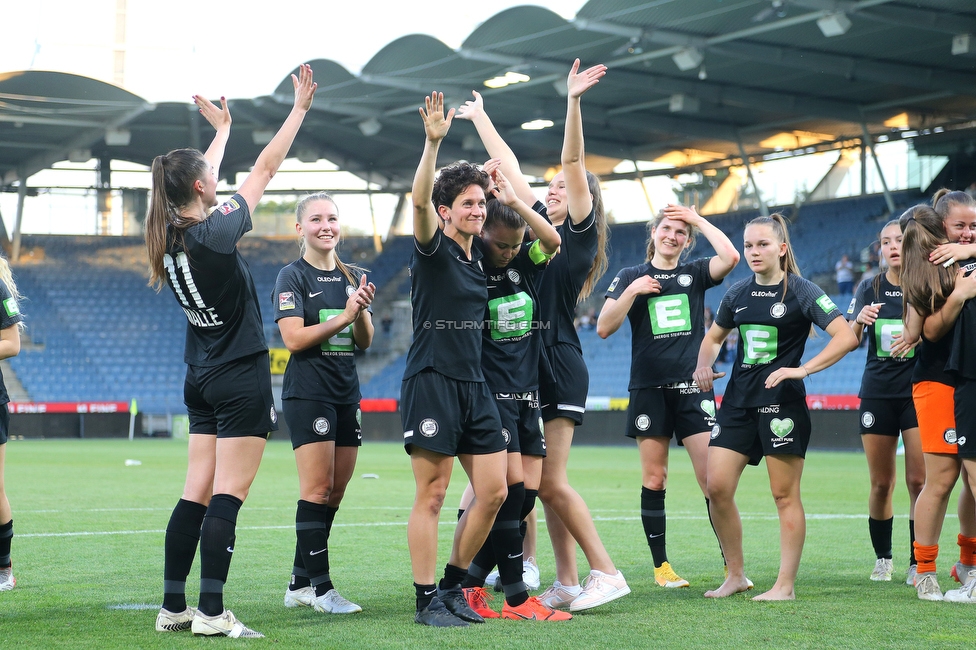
[180, 547]
[911, 531]
[299, 576]
[312, 529]
[425, 594]
[453, 576]
[481, 565]
[529, 505]
[6, 535]
[708, 509]
[507, 543]
[880, 530]
[217, 537]
[652, 516]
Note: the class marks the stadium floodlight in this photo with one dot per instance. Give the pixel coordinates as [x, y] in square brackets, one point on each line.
[537, 125]
[681, 103]
[118, 137]
[79, 155]
[963, 44]
[688, 58]
[507, 79]
[370, 127]
[834, 24]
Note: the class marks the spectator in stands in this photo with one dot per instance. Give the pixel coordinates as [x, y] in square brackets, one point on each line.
[935, 292]
[764, 411]
[664, 300]
[228, 379]
[709, 317]
[886, 399]
[574, 205]
[446, 407]
[11, 322]
[845, 275]
[321, 305]
[869, 273]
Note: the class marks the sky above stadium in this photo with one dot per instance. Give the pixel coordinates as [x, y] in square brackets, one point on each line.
[182, 47]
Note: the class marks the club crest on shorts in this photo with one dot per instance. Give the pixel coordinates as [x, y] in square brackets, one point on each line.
[950, 436]
[514, 276]
[684, 280]
[542, 427]
[778, 310]
[507, 435]
[320, 426]
[274, 415]
[716, 432]
[643, 423]
[359, 417]
[867, 419]
[428, 428]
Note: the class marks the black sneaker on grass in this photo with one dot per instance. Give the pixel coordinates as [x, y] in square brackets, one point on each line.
[436, 615]
[457, 604]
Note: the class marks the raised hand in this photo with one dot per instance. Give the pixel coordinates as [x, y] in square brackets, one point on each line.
[361, 298]
[304, 87]
[218, 117]
[436, 124]
[503, 190]
[579, 82]
[682, 213]
[470, 109]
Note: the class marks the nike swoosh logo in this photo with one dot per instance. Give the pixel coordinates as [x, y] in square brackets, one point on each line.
[653, 535]
[512, 557]
[312, 295]
[780, 444]
[740, 309]
[430, 593]
[317, 552]
[230, 550]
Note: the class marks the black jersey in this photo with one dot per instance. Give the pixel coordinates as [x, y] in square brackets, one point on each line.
[511, 343]
[772, 335]
[448, 294]
[324, 372]
[933, 356]
[565, 276]
[10, 315]
[667, 328]
[213, 285]
[885, 376]
[962, 353]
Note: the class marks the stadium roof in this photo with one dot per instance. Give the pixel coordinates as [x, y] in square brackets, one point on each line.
[690, 81]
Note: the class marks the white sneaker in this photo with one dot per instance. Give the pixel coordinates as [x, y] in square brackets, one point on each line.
[167, 621]
[964, 594]
[7, 579]
[912, 572]
[927, 586]
[963, 573]
[332, 603]
[559, 596]
[600, 588]
[301, 597]
[530, 574]
[224, 624]
[882, 570]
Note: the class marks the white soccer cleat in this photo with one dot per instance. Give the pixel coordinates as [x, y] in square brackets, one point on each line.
[223, 624]
[964, 594]
[882, 570]
[332, 603]
[167, 621]
[927, 586]
[301, 597]
[7, 579]
[600, 588]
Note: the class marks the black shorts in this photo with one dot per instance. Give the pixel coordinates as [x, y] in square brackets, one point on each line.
[314, 421]
[564, 394]
[233, 399]
[519, 412]
[965, 432]
[757, 431]
[680, 409]
[448, 416]
[887, 417]
[4, 425]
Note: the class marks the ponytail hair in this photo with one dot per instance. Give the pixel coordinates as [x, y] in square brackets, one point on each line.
[945, 199]
[787, 263]
[348, 270]
[655, 222]
[926, 286]
[602, 260]
[173, 175]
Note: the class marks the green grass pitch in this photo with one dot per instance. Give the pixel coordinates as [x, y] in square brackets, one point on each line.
[88, 556]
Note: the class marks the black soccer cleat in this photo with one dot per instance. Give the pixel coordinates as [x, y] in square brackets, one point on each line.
[457, 604]
[436, 615]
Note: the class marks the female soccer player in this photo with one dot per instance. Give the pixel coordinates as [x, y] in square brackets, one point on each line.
[511, 352]
[935, 294]
[446, 406]
[10, 326]
[664, 300]
[574, 205]
[764, 411]
[322, 309]
[886, 398]
[227, 390]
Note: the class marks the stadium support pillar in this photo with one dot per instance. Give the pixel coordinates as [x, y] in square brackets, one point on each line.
[763, 209]
[869, 143]
[397, 216]
[864, 169]
[377, 241]
[21, 196]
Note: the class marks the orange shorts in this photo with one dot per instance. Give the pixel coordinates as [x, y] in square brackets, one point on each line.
[935, 408]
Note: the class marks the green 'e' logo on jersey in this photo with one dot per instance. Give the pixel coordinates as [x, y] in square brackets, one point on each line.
[885, 330]
[669, 314]
[341, 341]
[759, 343]
[826, 304]
[511, 316]
[10, 306]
